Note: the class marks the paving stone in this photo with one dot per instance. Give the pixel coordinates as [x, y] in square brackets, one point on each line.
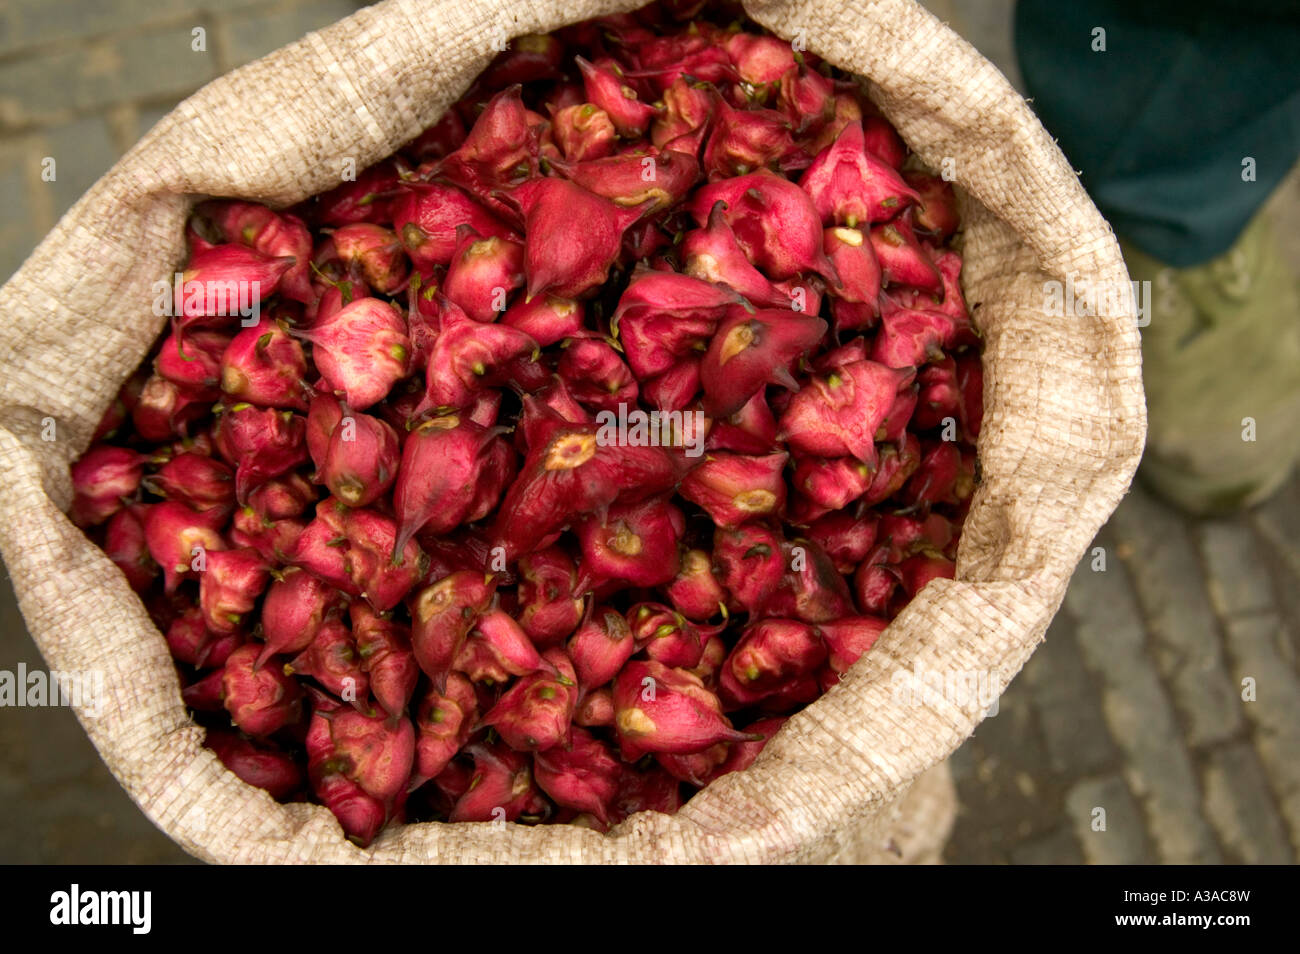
[1278, 523]
[82, 150]
[120, 121]
[102, 73]
[62, 752]
[1253, 646]
[986, 24]
[1124, 840]
[1239, 577]
[1061, 847]
[254, 35]
[1238, 805]
[1278, 520]
[1004, 792]
[62, 805]
[43, 746]
[93, 824]
[1067, 703]
[962, 763]
[20, 222]
[33, 23]
[1157, 548]
[1141, 718]
[943, 9]
[146, 117]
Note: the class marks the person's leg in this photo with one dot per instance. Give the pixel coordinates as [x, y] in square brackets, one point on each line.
[1181, 127]
[1183, 124]
[1221, 361]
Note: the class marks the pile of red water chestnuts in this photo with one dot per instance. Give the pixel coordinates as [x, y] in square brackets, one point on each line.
[542, 470]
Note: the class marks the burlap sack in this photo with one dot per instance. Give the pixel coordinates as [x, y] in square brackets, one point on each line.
[1062, 432]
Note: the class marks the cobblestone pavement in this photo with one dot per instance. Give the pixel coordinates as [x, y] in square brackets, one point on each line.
[1165, 694]
[1136, 704]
